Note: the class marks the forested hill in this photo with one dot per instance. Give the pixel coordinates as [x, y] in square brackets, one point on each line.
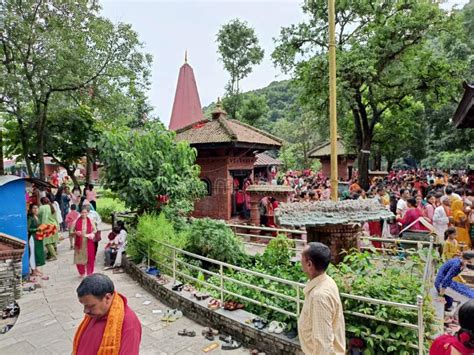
[273, 102]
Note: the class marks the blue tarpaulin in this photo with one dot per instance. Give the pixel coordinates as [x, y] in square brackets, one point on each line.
[13, 212]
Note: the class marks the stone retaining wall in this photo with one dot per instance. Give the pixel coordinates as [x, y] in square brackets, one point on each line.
[232, 323]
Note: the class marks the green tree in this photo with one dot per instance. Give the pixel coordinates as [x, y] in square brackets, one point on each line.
[56, 47]
[299, 136]
[239, 51]
[70, 133]
[401, 134]
[143, 164]
[383, 56]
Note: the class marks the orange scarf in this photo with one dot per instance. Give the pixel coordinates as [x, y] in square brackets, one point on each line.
[111, 339]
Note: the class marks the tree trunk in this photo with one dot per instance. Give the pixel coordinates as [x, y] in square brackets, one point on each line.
[70, 173]
[2, 167]
[40, 156]
[363, 162]
[389, 164]
[88, 165]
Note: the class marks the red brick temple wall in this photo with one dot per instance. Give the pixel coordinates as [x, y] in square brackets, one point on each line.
[216, 171]
[342, 165]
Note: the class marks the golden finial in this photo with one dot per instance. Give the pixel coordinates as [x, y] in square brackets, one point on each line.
[219, 104]
[186, 56]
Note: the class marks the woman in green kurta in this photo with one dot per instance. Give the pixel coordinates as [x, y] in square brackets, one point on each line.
[38, 246]
[47, 216]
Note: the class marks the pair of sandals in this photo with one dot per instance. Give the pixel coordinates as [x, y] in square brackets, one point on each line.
[232, 305]
[276, 327]
[178, 287]
[187, 333]
[229, 343]
[163, 280]
[209, 333]
[189, 288]
[200, 296]
[258, 323]
[214, 304]
[171, 315]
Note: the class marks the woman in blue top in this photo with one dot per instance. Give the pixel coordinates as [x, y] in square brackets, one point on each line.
[446, 274]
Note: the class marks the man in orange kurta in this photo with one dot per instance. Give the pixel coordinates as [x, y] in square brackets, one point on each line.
[109, 326]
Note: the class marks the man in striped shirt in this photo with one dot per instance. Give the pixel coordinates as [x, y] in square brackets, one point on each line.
[321, 326]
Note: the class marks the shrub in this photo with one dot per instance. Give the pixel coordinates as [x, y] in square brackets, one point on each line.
[213, 239]
[106, 206]
[359, 274]
[150, 230]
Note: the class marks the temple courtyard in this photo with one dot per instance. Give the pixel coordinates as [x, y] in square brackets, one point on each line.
[50, 315]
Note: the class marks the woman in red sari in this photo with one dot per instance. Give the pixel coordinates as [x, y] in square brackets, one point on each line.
[84, 248]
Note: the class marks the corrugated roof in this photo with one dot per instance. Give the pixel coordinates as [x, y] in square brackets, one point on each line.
[324, 149]
[330, 213]
[264, 159]
[223, 130]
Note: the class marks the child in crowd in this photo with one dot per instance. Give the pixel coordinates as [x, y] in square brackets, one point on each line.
[450, 246]
[71, 219]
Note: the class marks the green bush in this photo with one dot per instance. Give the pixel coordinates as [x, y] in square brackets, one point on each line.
[359, 274]
[106, 206]
[213, 239]
[150, 230]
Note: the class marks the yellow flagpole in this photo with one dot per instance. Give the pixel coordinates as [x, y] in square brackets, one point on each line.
[332, 98]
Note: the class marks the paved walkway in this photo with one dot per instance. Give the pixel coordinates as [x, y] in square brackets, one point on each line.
[49, 315]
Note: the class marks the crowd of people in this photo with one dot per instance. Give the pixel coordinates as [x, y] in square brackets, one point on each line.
[56, 214]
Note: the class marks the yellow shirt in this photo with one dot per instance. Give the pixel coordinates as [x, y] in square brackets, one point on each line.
[450, 249]
[321, 327]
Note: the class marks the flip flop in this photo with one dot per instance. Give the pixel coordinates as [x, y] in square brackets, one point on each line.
[280, 328]
[186, 333]
[273, 325]
[177, 287]
[214, 304]
[201, 296]
[210, 347]
[209, 330]
[175, 315]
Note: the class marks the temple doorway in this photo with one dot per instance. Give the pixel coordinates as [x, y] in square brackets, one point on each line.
[238, 198]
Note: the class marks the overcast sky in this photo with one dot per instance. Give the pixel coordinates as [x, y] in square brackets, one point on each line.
[169, 27]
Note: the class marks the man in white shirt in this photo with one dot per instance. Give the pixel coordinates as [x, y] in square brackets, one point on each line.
[321, 327]
[402, 202]
[441, 218]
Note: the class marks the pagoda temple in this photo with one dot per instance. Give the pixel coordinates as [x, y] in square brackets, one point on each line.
[226, 148]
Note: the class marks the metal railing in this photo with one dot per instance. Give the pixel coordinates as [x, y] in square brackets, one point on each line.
[285, 231]
[174, 257]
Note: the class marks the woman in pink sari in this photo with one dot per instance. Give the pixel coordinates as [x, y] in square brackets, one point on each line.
[84, 248]
[412, 214]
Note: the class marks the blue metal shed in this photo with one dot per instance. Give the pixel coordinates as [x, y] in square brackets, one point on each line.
[13, 212]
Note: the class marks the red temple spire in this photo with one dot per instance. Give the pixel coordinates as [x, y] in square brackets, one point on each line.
[187, 106]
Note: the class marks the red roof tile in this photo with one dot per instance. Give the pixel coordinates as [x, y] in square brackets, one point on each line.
[223, 130]
[187, 106]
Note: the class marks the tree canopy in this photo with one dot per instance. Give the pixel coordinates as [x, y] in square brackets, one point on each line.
[55, 51]
[143, 164]
[239, 50]
[384, 55]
